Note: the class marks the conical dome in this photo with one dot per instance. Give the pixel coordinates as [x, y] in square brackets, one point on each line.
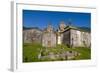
[49, 28]
[62, 26]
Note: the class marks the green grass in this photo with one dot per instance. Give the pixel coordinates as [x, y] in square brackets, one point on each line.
[31, 51]
[85, 53]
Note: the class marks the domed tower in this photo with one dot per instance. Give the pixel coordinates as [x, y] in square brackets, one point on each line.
[62, 26]
[49, 37]
[60, 30]
[49, 28]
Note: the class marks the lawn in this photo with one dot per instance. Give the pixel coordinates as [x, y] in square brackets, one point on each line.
[32, 50]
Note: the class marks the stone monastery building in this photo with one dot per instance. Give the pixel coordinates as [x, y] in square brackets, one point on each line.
[68, 35]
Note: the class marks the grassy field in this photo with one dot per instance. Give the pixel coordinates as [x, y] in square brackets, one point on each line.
[31, 51]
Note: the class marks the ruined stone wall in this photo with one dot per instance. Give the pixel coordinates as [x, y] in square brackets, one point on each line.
[32, 36]
[80, 38]
[49, 39]
[66, 38]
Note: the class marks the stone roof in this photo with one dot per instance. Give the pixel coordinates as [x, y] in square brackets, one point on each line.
[84, 29]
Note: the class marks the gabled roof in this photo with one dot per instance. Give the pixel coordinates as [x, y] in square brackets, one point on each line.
[84, 29]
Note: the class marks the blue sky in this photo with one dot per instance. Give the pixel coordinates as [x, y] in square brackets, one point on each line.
[40, 19]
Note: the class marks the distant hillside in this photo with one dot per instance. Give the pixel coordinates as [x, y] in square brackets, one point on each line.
[81, 28]
[26, 28]
[85, 28]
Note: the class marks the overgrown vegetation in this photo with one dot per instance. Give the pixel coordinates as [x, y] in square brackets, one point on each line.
[32, 50]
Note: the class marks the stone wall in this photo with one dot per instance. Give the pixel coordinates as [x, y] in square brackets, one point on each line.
[66, 38]
[76, 38]
[32, 36]
[49, 39]
[80, 38]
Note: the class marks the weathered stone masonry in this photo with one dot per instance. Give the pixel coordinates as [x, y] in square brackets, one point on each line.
[69, 35]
